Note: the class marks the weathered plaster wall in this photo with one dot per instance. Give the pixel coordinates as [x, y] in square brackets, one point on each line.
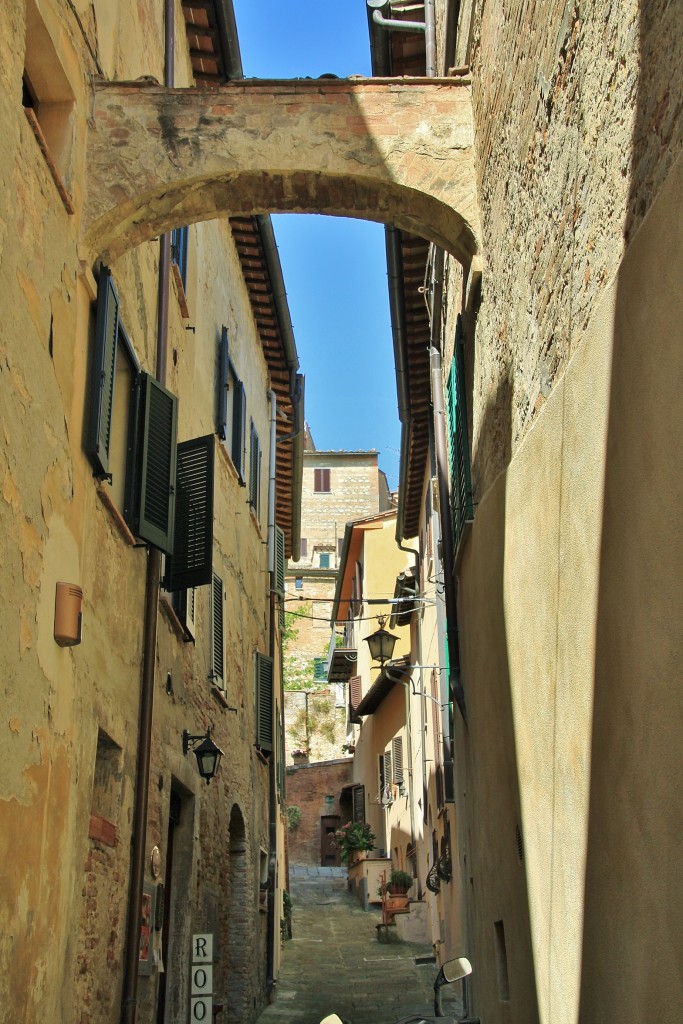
[63, 916]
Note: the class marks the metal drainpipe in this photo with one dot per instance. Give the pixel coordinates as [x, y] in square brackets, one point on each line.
[142, 771]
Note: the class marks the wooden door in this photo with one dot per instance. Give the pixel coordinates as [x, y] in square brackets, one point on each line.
[329, 853]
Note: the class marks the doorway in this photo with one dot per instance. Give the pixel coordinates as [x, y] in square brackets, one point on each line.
[330, 854]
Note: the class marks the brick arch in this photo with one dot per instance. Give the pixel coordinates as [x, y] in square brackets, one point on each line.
[391, 151]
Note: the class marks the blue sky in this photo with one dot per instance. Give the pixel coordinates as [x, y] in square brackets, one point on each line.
[334, 268]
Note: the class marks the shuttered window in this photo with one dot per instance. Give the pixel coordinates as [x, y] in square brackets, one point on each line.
[397, 758]
[190, 564]
[264, 702]
[355, 697]
[303, 547]
[358, 803]
[280, 561]
[217, 661]
[321, 481]
[103, 366]
[149, 505]
[225, 387]
[458, 440]
[179, 238]
[184, 605]
[254, 468]
[239, 430]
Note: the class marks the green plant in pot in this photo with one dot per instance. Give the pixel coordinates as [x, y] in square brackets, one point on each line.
[399, 882]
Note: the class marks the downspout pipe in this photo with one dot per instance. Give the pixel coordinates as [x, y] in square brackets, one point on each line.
[375, 8]
[272, 782]
[146, 714]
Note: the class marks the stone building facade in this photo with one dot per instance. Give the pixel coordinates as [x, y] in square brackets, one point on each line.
[113, 851]
[337, 486]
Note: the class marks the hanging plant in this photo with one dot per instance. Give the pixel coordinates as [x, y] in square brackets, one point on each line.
[293, 817]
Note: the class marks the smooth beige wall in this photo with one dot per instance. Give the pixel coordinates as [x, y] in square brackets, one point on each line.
[570, 605]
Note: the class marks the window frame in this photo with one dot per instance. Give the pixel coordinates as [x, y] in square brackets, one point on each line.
[322, 480]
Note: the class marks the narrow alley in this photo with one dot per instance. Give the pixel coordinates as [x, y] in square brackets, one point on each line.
[334, 963]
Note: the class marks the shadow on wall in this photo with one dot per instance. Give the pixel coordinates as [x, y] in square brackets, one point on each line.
[632, 936]
[498, 913]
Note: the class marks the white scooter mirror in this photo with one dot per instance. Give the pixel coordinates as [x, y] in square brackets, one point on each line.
[332, 1019]
[454, 970]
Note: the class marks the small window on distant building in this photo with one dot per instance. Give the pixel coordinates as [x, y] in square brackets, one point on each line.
[321, 481]
[299, 583]
[324, 559]
[320, 668]
[340, 545]
[304, 547]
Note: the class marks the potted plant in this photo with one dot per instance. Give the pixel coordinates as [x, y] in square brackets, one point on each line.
[399, 882]
[354, 838]
[300, 754]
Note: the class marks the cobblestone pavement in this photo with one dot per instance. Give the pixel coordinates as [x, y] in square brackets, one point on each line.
[335, 964]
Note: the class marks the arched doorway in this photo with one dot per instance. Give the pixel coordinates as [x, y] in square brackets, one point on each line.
[238, 960]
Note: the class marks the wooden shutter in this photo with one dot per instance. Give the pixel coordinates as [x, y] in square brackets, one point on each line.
[388, 775]
[190, 564]
[397, 757]
[103, 372]
[254, 468]
[150, 505]
[239, 429]
[280, 573]
[321, 481]
[184, 605]
[359, 803]
[355, 697]
[217, 672]
[264, 702]
[223, 371]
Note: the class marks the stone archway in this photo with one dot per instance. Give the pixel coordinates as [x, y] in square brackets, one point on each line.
[240, 921]
[395, 151]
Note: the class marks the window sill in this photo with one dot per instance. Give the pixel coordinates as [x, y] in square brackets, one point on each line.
[114, 514]
[255, 520]
[45, 150]
[166, 605]
[221, 696]
[180, 291]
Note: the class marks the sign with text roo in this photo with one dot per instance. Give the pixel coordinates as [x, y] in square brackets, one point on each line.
[201, 984]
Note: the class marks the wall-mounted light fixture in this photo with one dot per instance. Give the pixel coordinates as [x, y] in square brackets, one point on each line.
[68, 600]
[205, 750]
[381, 642]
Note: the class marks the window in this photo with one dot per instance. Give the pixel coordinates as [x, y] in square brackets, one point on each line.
[264, 702]
[340, 695]
[397, 758]
[303, 547]
[359, 803]
[458, 442]
[231, 425]
[179, 238]
[106, 791]
[254, 468]
[340, 545]
[131, 437]
[320, 668]
[185, 605]
[217, 650]
[48, 102]
[324, 559]
[299, 583]
[355, 697]
[321, 481]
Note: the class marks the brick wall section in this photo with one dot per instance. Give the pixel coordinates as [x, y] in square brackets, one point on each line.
[309, 788]
[393, 151]
[561, 154]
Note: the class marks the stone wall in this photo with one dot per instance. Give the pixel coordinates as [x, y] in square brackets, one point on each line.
[316, 790]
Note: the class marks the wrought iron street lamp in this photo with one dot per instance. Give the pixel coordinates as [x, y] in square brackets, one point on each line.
[205, 750]
[381, 642]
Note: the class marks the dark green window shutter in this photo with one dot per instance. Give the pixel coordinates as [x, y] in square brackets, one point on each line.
[150, 494]
[103, 367]
[217, 671]
[223, 366]
[359, 803]
[458, 440]
[264, 702]
[239, 429]
[254, 468]
[190, 563]
[397, 752]
[280, 573]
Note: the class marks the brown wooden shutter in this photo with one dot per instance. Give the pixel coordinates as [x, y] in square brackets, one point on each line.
[359, 803]
[355, 697]
[397, 752]
[321, 481]
[103, 366]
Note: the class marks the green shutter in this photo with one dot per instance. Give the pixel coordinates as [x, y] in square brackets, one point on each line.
[280, 573]
[217, 673]
[150, 493]
[190, 564]
[103, 370]
[239, 429]
[397, 751]
[223, 368]
[254, 468]
[264, 702]
[458, 440]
